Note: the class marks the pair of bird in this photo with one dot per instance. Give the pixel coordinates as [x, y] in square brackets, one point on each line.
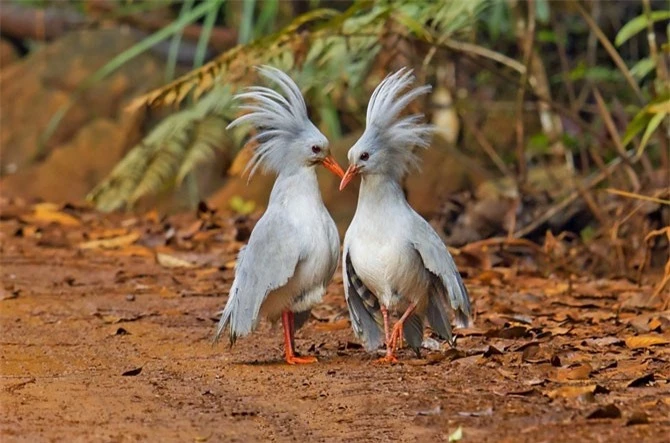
[392, 258]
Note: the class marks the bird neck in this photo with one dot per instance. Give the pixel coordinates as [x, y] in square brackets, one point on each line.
[380, 189]
[300, 180]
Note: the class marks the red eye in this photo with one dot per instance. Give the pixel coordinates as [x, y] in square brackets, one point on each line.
[316, 149]
[365, 156]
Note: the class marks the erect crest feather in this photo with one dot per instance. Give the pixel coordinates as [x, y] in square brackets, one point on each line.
[278, 118]
[395, 134]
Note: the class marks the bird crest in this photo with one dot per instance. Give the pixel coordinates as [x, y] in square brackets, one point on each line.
[278, 118]
[391, 131]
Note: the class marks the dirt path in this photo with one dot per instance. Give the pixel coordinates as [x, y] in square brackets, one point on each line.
[542, 359]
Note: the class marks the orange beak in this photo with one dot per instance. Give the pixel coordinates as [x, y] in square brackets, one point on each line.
[352, 171]
[330, 164]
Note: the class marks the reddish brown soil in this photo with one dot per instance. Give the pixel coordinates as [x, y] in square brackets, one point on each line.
[541, 358]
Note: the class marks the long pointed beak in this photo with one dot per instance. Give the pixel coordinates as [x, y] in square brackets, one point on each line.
[352, 171]
[330, 164]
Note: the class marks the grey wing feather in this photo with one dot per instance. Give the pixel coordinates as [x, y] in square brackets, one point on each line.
[267, 262]
[437, 259]
[364, 310]
[412, 330]
[436, 312]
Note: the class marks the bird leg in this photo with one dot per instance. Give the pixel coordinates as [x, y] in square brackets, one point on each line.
[389, 357]
[288, 323]
[396, 333]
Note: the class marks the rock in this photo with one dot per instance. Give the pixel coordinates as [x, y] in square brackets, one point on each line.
[93, 135]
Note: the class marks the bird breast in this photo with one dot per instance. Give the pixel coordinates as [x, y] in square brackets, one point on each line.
[389, 266]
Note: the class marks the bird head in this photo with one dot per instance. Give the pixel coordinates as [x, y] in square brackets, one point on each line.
[287, 139]
[387, 144]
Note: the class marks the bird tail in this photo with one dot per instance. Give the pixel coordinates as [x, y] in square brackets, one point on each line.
[460, 300]
[364, 310]
[412, 330]
[437, 313]
[226, 317]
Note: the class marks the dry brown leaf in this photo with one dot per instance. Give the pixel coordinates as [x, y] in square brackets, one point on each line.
[580, 372]
[100, 234]
[130, 251]
[170, 261]
[333, 326]
[111, 243]
[575, 391]
[645, 341]
[45, 213]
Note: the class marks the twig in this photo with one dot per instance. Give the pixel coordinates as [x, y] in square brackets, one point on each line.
[527, 41]
[638, 196]
[560, 206]
[486, 146]
[611, 50]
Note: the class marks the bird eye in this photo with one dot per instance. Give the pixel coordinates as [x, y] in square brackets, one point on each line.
[364, 156]
[316, 149]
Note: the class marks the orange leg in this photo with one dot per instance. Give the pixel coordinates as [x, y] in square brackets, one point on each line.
[396, 333]
[289, 331]
[389, 357]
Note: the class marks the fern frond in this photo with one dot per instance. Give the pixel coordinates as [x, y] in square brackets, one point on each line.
[328, 53]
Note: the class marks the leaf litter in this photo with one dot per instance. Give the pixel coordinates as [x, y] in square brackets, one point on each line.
[543, 346]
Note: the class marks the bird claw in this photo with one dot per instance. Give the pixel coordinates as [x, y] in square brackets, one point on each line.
[295, 360]
[387, 359]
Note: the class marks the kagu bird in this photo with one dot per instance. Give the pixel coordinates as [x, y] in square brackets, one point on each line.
[392, 258]
[293, 251]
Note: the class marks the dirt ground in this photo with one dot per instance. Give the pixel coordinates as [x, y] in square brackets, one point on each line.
[106, 336]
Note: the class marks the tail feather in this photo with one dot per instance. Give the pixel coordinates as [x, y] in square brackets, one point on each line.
[460, 300]
[438, 315]
[412, 330]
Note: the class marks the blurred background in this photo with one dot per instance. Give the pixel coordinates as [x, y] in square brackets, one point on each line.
[553, 116]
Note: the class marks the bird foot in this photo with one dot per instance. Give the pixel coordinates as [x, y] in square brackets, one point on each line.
[387, 359]
[295, 360]
[396, 336]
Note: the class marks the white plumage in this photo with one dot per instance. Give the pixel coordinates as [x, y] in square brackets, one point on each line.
[293, 250]
[392, 258]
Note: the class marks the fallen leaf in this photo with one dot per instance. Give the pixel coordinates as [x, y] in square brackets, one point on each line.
[575, 391]
[170, 261]
[637, 418]
[483, 413]
[337, 325]
[111, 243]
[645, 341]
[641, 381]
[580, 372]
[45, 213]
[132, 372]
[512, 332]
[457, 435]
[432, 411]
[607, 411]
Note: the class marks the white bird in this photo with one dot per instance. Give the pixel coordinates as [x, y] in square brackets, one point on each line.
[392, 257]
[293, 250]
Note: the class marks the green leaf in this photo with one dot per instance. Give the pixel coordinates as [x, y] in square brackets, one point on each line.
[176, 41]
[642, 68]
[457, 435]
[118, 61]
[638, 123]
[246, 27]
[207, 27]
[637, 24]
[653, 124]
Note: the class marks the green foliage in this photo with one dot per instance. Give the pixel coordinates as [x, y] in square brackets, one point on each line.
[638, 24]
[333, 49]
[172, 151]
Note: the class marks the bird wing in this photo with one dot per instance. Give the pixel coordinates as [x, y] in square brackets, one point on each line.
[437, 259]
[267, 262]
[364, 310]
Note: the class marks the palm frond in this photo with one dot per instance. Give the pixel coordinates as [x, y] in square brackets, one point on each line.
[329, 54]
